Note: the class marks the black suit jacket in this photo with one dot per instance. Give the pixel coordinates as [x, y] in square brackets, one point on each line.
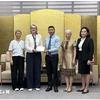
[87, 49]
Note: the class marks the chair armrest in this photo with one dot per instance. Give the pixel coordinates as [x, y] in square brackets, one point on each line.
[3, 66]
[95, 70]
[0, 69]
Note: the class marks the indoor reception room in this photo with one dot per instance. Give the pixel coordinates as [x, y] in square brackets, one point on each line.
[50, 49]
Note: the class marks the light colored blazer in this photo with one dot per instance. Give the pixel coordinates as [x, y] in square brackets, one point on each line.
[29, 42]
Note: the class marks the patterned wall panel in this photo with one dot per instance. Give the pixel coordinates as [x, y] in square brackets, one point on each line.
[22, 22]
[91, 23]
[45, 18]
[98, 42]
[73, 22]
[6, 32]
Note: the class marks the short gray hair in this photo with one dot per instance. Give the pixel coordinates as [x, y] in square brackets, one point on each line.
[18, 31]
[68, 31]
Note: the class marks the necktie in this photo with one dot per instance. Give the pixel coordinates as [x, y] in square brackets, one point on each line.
[34, 42]
[66, 45]
[49, 45]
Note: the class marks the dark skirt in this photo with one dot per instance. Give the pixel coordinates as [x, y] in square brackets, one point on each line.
[83, 68]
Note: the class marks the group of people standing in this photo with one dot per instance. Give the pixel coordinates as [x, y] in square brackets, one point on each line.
[80, 52]
[72, 52]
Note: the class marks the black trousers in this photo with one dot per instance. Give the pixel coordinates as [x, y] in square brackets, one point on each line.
[52, 66]
[17, 72]
[33, 69]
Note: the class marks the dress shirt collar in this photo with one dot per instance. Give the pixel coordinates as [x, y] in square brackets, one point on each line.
[52, 35]
[82, 39]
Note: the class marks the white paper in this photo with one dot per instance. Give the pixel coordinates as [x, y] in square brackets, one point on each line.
[40, 48]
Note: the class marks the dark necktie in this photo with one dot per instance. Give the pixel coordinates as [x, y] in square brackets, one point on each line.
[34, 42]
[49, 45]
[66, 45]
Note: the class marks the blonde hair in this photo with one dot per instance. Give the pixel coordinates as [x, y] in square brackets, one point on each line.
[33, 25]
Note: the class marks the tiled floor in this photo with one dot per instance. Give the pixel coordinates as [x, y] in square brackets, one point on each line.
[8, 93]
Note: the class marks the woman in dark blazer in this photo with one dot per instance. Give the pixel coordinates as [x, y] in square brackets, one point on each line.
[85, 50]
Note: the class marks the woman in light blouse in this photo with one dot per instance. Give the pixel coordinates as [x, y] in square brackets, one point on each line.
[85, 50]
[33, 59]
[16, 49]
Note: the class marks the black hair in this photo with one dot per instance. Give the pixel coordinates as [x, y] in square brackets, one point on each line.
[51, 27]
[88, 35]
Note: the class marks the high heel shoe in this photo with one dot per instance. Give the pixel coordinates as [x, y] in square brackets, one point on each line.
[69, 91]
[80, 90]
[65, 90]
[85, 92]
